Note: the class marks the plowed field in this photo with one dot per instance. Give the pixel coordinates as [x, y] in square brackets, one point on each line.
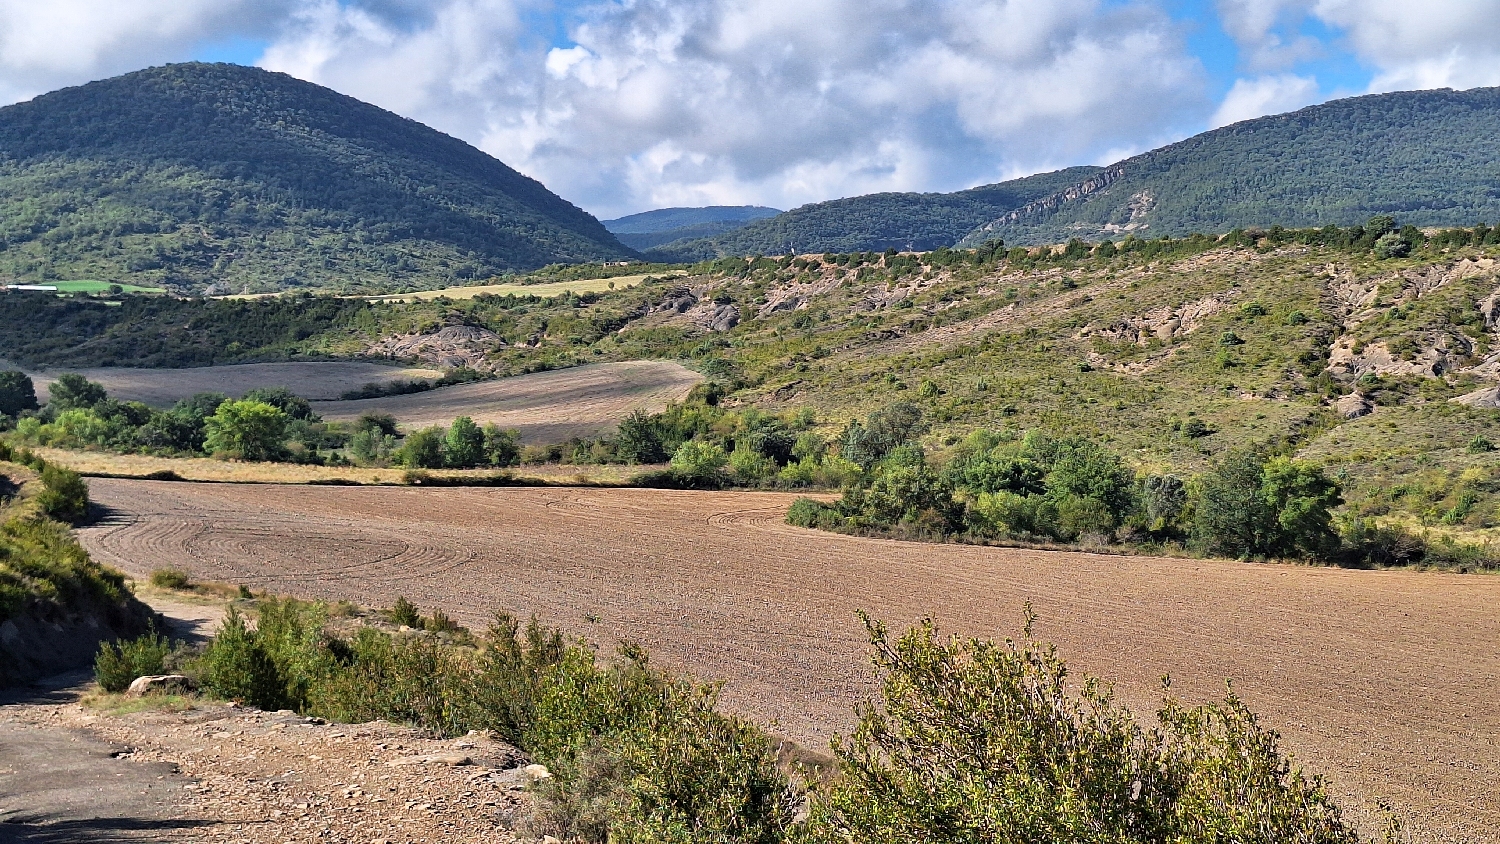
[546, 406]
[1383, 680]
[309, 379]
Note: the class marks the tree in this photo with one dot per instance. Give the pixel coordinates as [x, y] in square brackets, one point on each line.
[700, 464]
[464, 447]
[285, 400]
[502, 446]
[1252, 504]
[638, 439]
[248, 430]
[72, 391]
[17, 393]
[424, 449]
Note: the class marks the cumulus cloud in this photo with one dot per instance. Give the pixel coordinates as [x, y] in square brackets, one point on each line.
[1264, 95]
[45, 45]
[1429, 44]
[780, 102]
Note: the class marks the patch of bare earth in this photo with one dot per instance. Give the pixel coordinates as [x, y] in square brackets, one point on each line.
[1382, 680]
[544, 406]
[309, 379]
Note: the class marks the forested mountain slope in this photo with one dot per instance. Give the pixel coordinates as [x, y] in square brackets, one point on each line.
[650, 229]
[1430, 157]
[903, 221]
[227, 178]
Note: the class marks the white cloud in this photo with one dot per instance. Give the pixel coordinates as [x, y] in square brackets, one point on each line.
[1265, 95]
[1266, 31]
[776, 102]
[1428, 44]
[46, 45]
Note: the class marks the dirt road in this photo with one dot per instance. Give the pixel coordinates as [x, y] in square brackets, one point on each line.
[1383, 680]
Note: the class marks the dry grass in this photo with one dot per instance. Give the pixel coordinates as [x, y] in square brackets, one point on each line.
[546, 407]
[309, 379]
[105, 464]
[546, 289]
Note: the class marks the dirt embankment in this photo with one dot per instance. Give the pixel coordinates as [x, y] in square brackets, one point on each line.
[1382, 680]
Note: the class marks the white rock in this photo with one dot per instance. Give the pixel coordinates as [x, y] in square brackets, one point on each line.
[160, 684]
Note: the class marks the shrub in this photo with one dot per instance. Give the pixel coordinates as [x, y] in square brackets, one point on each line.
[405, 612]
[424, 449]
[982, 741]
[463, 447]
[805, 512]
[1250, 504]
[502, 446]
[170, 579]
[17, 393]
[247, 430]
[119, 663]
[72, 391]
[440, 622]
[236, 666]
[699, 463]
[64, 495]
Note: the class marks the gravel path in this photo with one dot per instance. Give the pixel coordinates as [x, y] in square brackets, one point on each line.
[1383, 680]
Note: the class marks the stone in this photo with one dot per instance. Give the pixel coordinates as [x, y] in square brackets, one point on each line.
[159, 684]
[450, 759]
[1353, 406]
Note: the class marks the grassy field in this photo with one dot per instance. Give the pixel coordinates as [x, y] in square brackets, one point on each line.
[544, 289]
[91, 286]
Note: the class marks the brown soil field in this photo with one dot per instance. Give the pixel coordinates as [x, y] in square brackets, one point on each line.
[1384, 681]
[309, 379]
[545, 406]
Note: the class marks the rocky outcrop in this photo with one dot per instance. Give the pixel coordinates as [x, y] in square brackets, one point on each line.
[1487, 398]
[449, 347]
[1353, 406]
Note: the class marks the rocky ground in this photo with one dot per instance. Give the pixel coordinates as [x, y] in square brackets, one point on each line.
[76, 766]
[220, 773]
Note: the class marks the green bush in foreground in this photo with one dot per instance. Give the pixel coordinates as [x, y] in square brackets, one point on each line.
[987, 742]
[119, 663]
[973, 741]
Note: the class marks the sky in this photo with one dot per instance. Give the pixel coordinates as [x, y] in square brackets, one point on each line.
[622, 106]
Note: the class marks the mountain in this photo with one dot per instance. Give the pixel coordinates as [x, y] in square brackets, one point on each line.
[1429, 158]
[650, 229]
[216, 177]
[904, 221]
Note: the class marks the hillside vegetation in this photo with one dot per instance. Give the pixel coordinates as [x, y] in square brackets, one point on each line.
[905, 221]
[230, 179]
[651, 229]
[1427, 156]
[1349, 347]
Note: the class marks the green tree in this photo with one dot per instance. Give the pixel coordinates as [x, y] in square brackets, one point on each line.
[72, 391]
[248, 430]
[1251, 504]
[464, 446]
[502, 446]
[424, 449]
[699, 463]
[638, 439]
[283, 399]
[17, 393]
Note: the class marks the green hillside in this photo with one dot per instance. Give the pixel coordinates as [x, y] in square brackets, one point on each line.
[1430, 157]
[223, 178]
[650, 229]
[905, 221]
[1172, 353]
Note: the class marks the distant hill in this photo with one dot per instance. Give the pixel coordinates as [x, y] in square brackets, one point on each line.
[664, 225]
[226, 178]
[905, 221]
[1428, 158]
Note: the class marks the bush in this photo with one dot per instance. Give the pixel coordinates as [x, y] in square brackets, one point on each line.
[118, 663]
[170, 579]
[982, 741]
[247, 430]
[424, 449]
[405, 612]
[700, 464]
[805, 512]
[236, 666]
[463, 448]
[17, 393]
[1250, 504]
[64, 495]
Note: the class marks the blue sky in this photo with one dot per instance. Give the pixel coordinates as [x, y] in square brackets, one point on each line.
[626, 105]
